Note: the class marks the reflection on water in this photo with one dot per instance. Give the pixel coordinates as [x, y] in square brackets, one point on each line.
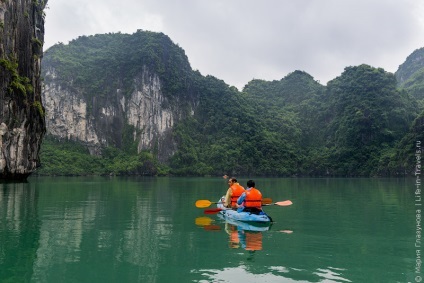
[243, 274]
[79, 225]
[338, 230]
[332, 273]
[244, 235]
[246, 239]
[148, 230]
[275, 274]
[19, 227]
[88, 229]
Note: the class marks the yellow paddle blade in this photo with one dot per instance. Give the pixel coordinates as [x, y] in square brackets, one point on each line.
[202, 203]
[203, 221]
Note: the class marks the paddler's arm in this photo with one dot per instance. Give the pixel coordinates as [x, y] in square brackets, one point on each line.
[227, 200]
[241, 199]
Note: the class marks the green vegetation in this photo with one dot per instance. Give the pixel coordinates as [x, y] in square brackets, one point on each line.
[368, 116]
[363, 123]
[39, 107]
[71, 158]
[298, 127]
[101, 64]
[38, 42]
[18, 84]
[410, 75]
[413, 64]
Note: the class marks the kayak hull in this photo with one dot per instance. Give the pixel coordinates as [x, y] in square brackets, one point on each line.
[231, 214]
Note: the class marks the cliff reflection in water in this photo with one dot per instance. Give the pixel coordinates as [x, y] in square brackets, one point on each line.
[19, 226]
[101, 229]
[107, 227]
[76, 229]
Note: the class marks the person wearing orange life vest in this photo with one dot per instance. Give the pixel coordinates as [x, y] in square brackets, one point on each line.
[250, 200]
[233, 193]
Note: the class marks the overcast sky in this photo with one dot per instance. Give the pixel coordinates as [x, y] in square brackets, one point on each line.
[241, 40]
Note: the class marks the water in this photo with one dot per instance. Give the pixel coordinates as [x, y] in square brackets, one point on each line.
[148, 230]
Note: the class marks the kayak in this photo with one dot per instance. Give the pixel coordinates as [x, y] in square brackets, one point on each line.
[230, 214]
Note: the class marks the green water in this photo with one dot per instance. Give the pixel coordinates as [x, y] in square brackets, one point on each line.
[144, 230]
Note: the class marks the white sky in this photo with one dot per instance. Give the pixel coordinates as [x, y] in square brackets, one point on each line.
[239, 40]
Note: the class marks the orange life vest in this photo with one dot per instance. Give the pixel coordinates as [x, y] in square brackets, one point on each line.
[253, 198]
[236, 191]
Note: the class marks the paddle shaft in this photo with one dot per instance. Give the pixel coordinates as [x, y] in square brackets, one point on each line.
[280, 203]
[203, 203]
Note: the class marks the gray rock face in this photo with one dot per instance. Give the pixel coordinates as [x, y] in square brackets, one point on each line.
[22, 125]
[146, 111]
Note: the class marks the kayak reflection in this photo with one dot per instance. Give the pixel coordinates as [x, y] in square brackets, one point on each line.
[248, 240]
[248, 236]
[245, 235]
[206, 223]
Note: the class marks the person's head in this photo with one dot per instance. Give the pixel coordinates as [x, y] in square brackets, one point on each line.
[232, 180]
[250, 184]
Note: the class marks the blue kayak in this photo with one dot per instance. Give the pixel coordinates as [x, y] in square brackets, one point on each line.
[231, 214]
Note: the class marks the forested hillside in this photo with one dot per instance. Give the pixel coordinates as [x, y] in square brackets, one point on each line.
[363, 123]
[410, 75]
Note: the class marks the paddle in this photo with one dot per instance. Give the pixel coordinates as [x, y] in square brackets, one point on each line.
[281, 203]
[202, 203]
[266, 201]
[213, 210]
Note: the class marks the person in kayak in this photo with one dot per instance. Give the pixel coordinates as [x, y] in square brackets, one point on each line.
[250, 200]
[233, 193]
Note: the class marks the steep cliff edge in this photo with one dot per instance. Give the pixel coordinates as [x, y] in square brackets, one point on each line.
[116, 90]
[410, 75]
[22, 123]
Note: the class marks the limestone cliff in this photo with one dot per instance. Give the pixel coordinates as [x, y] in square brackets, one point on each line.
[119, 99]
[412, 65]
[22, 123]
[69, 116]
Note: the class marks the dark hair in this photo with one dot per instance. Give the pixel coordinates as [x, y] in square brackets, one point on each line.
[233, 179]
[250, 184]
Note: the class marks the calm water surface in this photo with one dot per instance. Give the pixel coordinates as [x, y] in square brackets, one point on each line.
[148, 230]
